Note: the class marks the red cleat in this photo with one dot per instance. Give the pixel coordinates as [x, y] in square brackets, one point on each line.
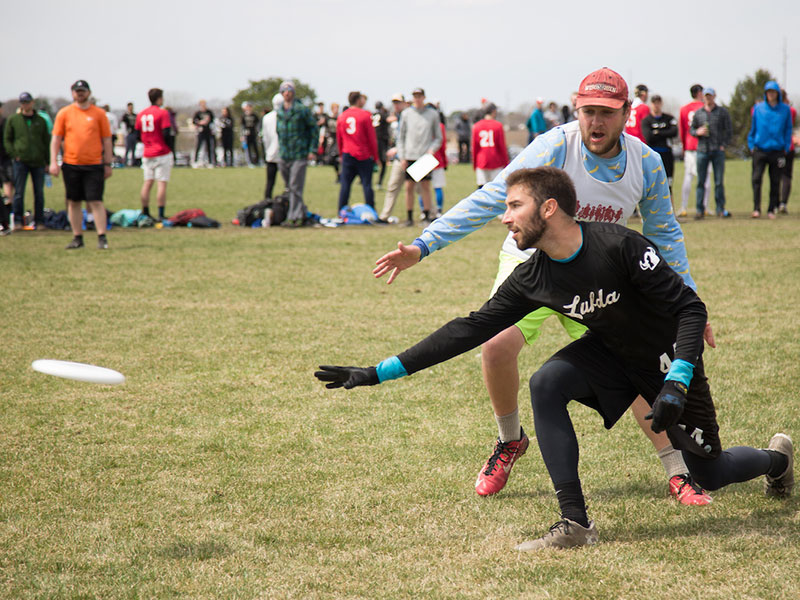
[495, 472]
[686, 490]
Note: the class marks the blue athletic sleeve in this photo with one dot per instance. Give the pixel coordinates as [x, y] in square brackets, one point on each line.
[390, 368]
[480, 207]
[680, 370]
[658, 218]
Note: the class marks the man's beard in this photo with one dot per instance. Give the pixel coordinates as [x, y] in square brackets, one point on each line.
[530, 236]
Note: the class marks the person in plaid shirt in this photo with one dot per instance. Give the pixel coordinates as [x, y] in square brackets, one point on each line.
[297, 138]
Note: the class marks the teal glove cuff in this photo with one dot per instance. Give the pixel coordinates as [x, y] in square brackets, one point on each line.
[680, 370]
[391, 368]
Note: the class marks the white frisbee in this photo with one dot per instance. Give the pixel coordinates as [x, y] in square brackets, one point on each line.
[78, 371]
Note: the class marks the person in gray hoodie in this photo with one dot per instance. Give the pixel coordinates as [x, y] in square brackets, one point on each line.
[418, 134]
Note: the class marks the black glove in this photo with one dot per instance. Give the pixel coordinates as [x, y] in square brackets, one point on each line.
[347, 377]
[668, 407]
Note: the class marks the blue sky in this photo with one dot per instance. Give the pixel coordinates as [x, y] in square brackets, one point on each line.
[509, 51]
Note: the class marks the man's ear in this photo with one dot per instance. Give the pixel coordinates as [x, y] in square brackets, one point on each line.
[550, 207]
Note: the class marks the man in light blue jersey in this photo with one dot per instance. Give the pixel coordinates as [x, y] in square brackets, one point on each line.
[613, 174]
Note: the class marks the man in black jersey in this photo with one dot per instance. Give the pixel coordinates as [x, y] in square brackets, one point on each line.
[250, 131]
[645, 337]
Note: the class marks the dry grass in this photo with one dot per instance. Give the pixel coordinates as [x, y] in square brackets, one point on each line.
[221, 469]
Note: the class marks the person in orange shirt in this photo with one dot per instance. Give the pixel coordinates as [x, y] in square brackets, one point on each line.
[84, 130]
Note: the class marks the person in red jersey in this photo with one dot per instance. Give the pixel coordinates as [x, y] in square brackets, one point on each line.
[358, 146]
[689, 143]
[155, 128]
[639, 110]
[489, 151]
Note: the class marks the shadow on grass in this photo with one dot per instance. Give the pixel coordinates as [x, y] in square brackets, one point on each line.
[194, 550]
[768, 523]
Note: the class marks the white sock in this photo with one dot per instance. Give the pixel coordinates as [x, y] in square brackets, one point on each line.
[672, 460]
[508, 426]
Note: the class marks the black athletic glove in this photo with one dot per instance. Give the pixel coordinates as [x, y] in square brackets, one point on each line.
[668, 407]
[347, 377]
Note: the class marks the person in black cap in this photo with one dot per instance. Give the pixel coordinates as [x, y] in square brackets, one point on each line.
[84, 130]
[27, 142]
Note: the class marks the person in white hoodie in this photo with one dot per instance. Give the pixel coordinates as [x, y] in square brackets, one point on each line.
[269, 135]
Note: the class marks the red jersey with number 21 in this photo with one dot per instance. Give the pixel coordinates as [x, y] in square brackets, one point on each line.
[489, 145]
[151, 123]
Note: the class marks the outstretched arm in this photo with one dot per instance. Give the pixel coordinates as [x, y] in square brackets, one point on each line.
[396, 261]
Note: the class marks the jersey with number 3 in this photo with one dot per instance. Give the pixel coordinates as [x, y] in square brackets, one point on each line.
[355, 134]
[151, 123]
[489, 149]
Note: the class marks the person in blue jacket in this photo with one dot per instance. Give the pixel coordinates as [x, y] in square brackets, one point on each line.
[770, 139]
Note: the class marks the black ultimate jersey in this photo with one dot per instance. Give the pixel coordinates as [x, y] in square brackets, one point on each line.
[618, 285]
[129, 120]
[250, 124]
[199, 116]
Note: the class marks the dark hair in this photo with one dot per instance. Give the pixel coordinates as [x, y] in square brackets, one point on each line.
[695, 89]
[656, 98]
[352, 98]
[130, 104]
[546, 182]
[490, 108]
[154, 94]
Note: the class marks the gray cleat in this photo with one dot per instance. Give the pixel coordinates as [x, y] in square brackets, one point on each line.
[564, 534]
[781, 486]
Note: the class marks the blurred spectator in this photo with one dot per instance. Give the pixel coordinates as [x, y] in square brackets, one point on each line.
[769, 139]
[438, 177]
[464, 133]
[712, 127]
[113, 123]
[131, 138]
[552, 115]
[658, 128]
[786, 178]
[536, 123]
[490, 154]
[689, 143]
[269, 136]
[297, 138]
[639, 110]
[249, 134]
[225, 123]
[381, 126]
[418, 134]
[397, 174]
[7, 181]
[328, 151]
[27, 143]
[155, 130]
[84, 131]
[358, 144]
[202, 121]
[173, 120]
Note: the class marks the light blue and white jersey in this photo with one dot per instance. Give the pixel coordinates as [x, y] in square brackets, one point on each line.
[607, 190]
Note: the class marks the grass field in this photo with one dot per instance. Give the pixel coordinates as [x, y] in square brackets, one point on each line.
[222, 469]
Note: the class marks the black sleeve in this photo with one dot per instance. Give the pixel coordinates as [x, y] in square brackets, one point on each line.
[672, 130]
[167, 134]
[663, 288]
[650, 138]
[504, 309]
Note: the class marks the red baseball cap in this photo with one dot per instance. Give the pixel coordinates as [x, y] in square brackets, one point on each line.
[603, 87]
